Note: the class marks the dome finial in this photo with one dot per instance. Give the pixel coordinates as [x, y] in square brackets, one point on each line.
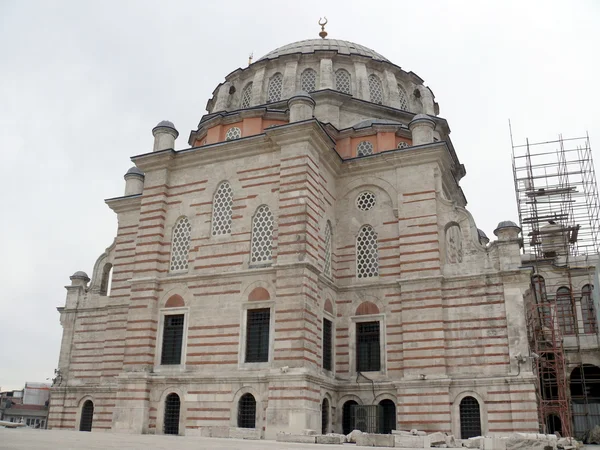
[250, 57]
[323, 33]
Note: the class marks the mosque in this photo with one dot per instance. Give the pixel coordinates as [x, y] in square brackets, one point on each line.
[307, 263]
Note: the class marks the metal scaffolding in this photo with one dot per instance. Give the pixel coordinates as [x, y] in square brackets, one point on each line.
[557, 199]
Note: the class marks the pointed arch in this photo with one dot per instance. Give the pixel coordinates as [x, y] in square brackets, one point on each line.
[246, 417]
[87, 416]
[222, 209]
[470, 418]
[171, 415]
[275, 87]
[261, 251]
[375, 89]
[180, 245]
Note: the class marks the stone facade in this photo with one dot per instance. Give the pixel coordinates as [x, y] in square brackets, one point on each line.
[380, 239]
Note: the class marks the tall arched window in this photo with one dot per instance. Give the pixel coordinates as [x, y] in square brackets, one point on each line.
[246, 412]
[246, 96]
[106, 280]
[180, 245]
[262, 236]
[388, 411]
[375, 89]
[367, 258]
[87, 416]
[328, 246]
[342, 81]
[308, 80]
[347, 419]
[470, 419]
[171, 420]
[325, 416]
[564, 311]
[403, 98]
[587, 310]
[275, 87]
[364, 148]
[222, 204]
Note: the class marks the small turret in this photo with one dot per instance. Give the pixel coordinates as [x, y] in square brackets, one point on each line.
[164, 134]
[134, 181]
[422, 127]
[302, 107]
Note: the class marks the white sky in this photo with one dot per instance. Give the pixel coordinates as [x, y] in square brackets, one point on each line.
[82, 83]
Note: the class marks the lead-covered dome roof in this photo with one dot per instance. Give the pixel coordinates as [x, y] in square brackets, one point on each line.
[313, 45]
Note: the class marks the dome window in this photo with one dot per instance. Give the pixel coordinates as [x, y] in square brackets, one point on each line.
[233, 133]
[402, 145]
[365, 201]
[246, 96]
[308, 80]
[375, 89]
[364, 148]
[342, 81]
[403, 98]
[275, 87]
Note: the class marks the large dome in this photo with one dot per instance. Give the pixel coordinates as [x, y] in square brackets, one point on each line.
[313, 45]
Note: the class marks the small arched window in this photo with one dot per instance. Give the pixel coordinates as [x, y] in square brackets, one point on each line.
[222, 208]
[375, 89]
[180, 245]
[262, 236]
[470, 419]
[87, 416]
[308, 80]
[106, 280]
[403, 98]
[364, 148]
[367, 258]
[402, 144]
[564, 311]
[328, 247]
[275, 88]
[388, 411]
[246, 96]
[587, 310]
[246, 412]
[325, 416]
[171, 420]
[342, 81]
[233, 133]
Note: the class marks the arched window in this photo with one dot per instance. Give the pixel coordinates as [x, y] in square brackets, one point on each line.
[246, 96]
[308, 80]
[171, 421]
[403, 144]
[375, 89]
[403, 98]
[367, 259]
[454, 251]
[106, 280]
[246, 412]
[364, 148]
[347, 419]
[87, 416]
[564, 311]
[342, 81]
[587, 310]
[233, 133]
[222, 204]
[325, 416]
[180, 245]
[388, 412]
[275, 87]
[262, 236]
[328, 246]
[365, 201]
[470, 420]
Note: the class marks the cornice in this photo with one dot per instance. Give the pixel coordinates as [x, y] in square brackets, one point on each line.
[124, 204]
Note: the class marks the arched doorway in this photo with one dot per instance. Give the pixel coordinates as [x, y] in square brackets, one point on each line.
[247, 411]
[325, 416]
[172, 407]
[388, 416]
[87, 416]
[585, 398]
[470, 418]
[553, 424]
[347, 416]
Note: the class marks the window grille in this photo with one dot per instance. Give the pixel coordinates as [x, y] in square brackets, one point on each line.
[172, 339]
[257, 335]
[365, 201]
[180, 247]
[308, 80]
[171, 421]
[233, 133]
[246, 96]
[403, 98]
[470, 422]
[328, 245]
[87, 416]
[364, 148]
[367, 347]
[375, 89]
[247, 412]
[367, 259]
[587, 310]
[367, 418]
[342, 81]
[403, 145]
[262, 236]
[327, 343]
[275, 87]
[325, 416]
[222, 204]
[347, 419]
[564, 311]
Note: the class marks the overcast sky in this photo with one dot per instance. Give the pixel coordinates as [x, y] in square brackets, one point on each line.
[82, 83]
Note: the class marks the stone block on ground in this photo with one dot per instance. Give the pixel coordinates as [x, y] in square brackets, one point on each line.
[530, 441]
[331, 439]
[351, 437]
[375, 440]
[410, 441]
[308, 432]
[303, 439]
[402, 433]
[240, 433]
[474, 442]
[493, 443]
[437, 438]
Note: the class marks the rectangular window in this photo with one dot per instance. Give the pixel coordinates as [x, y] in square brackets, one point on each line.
[327, 344]
[172, 339]
[257, 335]
[367, 347]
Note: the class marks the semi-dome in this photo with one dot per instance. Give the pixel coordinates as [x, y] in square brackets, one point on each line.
[313, 45]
